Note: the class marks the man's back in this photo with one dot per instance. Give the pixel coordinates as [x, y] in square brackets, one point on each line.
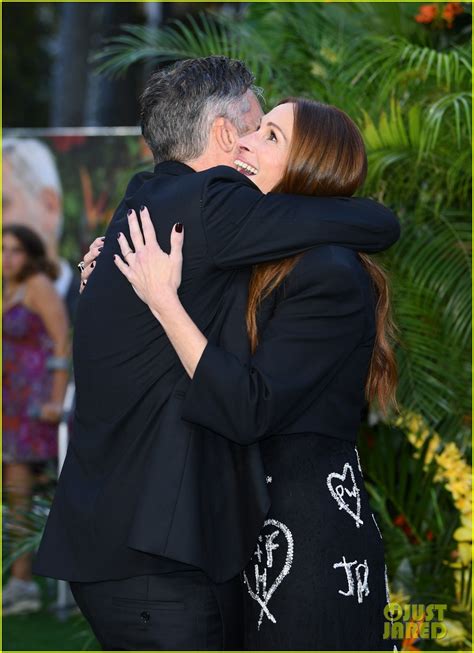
[125, 371]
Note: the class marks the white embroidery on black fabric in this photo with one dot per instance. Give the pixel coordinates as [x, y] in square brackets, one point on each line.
[373, 517]
[340, 490]
[362, 585]
[387, 591]
[358, 461]
[387, 594]
[270, 546]
[347, 567]
[268, 480]
[261, 594]
[362, 582]
[258, 551]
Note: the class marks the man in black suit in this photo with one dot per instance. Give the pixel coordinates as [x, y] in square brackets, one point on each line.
[153, 518]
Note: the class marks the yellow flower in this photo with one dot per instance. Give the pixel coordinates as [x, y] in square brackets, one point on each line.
[462, 534]
[464, 505]
[456, 633]
[456, 474]
[465, 552]
[466, 520]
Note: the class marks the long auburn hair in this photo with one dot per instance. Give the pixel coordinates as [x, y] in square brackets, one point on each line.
[37, 259]
[327, 157]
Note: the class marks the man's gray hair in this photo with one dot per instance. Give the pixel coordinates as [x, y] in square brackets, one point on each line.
[180, 103]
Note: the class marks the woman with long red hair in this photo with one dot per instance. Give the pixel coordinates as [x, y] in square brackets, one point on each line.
[320, 334]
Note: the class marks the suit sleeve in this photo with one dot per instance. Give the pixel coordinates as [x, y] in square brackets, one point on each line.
[312, 332]
[244, 226]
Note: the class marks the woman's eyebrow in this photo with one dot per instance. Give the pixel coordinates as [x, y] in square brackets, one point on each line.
[272, 124]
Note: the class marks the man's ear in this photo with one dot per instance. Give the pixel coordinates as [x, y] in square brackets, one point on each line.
[225, 134]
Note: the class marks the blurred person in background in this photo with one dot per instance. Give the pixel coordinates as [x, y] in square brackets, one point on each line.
[35, 374]
[32, 196]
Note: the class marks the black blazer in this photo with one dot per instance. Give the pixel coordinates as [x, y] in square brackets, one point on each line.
[316, 337]
[142, 490]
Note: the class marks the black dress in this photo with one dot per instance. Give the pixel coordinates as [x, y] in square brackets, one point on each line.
[317, 577]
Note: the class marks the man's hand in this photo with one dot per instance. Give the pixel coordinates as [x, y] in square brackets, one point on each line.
[88, 262]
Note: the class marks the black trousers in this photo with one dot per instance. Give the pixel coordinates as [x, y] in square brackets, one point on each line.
[176, 611]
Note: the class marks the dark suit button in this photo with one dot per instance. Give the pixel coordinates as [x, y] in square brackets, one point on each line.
[145, 616]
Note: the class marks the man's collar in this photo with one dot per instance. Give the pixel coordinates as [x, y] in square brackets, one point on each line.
[172, 168]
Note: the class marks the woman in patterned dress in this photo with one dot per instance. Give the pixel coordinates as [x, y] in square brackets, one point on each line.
[35, 372]
[319, 327]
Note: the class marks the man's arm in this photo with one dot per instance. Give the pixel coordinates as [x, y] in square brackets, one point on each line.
[244, 226]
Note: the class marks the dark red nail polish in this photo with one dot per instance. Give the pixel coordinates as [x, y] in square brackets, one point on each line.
[129, 212]
[100, 249]
[142, 208]
[103, 238]
[119, 234]
[179, 227]
[92, 264]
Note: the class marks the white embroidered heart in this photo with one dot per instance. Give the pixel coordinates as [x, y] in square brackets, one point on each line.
[260, 593]
[340, 490]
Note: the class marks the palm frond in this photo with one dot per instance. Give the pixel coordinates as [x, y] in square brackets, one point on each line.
[204, 36]
[452, 105]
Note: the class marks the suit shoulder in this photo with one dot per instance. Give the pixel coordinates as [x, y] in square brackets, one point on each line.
[137, 181]
[327, 270]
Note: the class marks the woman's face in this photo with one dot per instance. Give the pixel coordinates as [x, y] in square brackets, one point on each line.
[14, 257]
[264, 153]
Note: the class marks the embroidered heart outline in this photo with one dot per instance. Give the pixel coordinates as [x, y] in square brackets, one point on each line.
[263, 602]
[338, 495]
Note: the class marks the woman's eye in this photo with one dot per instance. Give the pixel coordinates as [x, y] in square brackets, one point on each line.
[273, 136]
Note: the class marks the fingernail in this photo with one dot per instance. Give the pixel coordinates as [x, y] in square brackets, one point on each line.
[103, 238]
[142, 208]
[92, 264]
[119, 234]
[100, 249]
[179, 227]
[129, 212]
[83, 283]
